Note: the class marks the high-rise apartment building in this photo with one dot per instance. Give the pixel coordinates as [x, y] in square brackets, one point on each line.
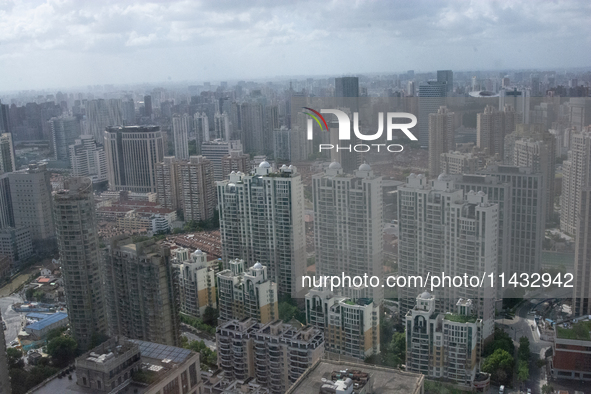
[270, 124]
[348, 221]
[431, 98]
[197, 283]
[576, 172]
[132, 153]
[187, 185]
[141, 289]
[30, 191]
[262, 219]
[441, 138]
[443, 345]
[236, 161]
[202, 127]
[182, 125]
[351, 326]
[441, 229]
[7, 161]
[519, 100]
[491, 128]
[582, 280]
[88, 158]
[76, 231]
[274, 354]
[64, 132]
[16, 244]
[128, 112]
[216, 150]
[246, 293]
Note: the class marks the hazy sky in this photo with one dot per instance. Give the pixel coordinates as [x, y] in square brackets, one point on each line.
[61, 43]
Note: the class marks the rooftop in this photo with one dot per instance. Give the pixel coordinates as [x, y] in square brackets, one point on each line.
[578, 331]
[460, 318]
[385, 380]
[46, 320]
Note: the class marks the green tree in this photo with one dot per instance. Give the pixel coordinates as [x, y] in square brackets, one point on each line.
[210, 316]
[522, 371]
[523, 352]
[499, 365]
[56, 332]
[62, 350]
[547, 389]
[502, 340]
[15, 358]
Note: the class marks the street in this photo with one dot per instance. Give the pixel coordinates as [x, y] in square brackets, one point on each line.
[192, 337]
[13, 319]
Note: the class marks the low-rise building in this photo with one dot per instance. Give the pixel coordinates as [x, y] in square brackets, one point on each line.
[45, 323]
[443, 345]
[121, 365]
[247, 293]
[275, 354]
[330, 377]
[351, 326]
[572, 350]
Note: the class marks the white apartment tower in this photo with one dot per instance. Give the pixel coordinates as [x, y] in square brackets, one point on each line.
[348, 221]
[262, 219]
[88, 159]
[441, 229]
[222, 127]
[202, 126]
[181, 127]
[77, 238]
[132, 154]
[491, 128]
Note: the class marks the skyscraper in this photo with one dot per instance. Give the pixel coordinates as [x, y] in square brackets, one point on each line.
[431, 97]
[143, 300]
[30, 191]
[348, 210]
[64, 131]
[447, 77]
[441, 138]
[7, 161]
[148, 106]
[76, 231]
[491, 128]
[438, 228]
[222, 128]
[576, 171]
[88, 158]
[132, 154]
[346, 87]
[217, 149]
[582, 279]
[187, 185]
[202, 127]
[519, 100]
[251, 116]
[100, 114]
[261, 219]
[181, 126]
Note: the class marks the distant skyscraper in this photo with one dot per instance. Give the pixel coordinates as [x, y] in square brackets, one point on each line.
[132, 154]
[216, 150]
[181, 126]
[576, 174]
[441, 138]
[88, 158]
[100, 114]
[64, 131]
[447, 77]
[491, 128]
[236, 161]
[348, 210]
[222, 127]
[5, 123]
[271, 123]
[76, 230]
[202, 127]
[7, 161]
[518, 100]
[346, 87]
[148, 105]
[251, 115]
[128, 112]
[262, 219]
[431, 97]
[143, 300]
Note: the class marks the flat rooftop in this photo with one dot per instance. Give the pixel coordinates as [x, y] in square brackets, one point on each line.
[67, 386]
[385, 380]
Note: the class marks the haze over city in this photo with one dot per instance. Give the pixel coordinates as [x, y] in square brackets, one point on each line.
[61, 44]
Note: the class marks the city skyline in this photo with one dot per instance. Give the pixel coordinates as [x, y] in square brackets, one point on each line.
[53, 44]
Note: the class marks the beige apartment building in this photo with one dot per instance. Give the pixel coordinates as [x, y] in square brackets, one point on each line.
[197, 282]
